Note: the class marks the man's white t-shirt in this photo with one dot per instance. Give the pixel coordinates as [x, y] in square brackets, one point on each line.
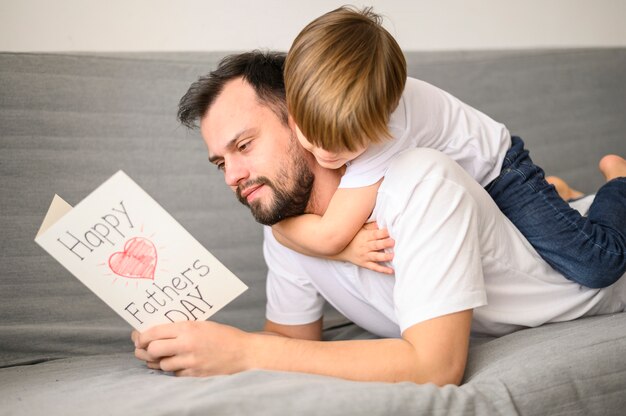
[454, 251]
[430, 117]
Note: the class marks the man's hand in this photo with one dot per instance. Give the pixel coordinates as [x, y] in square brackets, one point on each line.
[367, 249]
[193, 348]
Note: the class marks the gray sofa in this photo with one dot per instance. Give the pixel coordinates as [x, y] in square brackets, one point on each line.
[69, 121]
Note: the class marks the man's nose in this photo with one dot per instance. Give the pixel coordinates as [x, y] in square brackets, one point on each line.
[234, 173]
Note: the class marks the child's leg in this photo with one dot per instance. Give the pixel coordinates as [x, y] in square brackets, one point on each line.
[588, 250]
[612, 167]
[566, 192]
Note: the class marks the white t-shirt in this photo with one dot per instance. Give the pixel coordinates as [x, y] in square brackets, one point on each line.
[430, 117]
[454, 251]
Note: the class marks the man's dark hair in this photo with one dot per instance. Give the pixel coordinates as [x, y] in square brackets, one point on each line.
[262, 70]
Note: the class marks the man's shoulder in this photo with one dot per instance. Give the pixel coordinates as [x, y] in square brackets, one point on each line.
[271, 247]
[282, 260]
[414, 166]
[429, 180]
[418, 88]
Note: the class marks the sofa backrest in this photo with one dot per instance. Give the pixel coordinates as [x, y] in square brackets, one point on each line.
[68, 122]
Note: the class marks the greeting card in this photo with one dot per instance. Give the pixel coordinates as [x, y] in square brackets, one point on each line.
[130, 252]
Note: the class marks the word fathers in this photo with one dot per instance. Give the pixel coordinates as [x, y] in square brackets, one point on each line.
[178, 301]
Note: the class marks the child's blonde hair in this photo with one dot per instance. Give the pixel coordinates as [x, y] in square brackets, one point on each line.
[344, 75]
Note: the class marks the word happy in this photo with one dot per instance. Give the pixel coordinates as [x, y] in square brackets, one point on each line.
[107, 230]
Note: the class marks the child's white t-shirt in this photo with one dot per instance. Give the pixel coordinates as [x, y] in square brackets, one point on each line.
[430, 117]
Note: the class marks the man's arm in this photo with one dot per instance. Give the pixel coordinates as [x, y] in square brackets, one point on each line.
[312, 331]
[431, 351]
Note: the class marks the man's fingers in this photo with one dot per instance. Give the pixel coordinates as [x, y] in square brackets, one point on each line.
[166, 364]
[142, 354]
[164, 331]
[154, 365]
[155, 361]
[185, 373]
[160, 348]
[174, 364]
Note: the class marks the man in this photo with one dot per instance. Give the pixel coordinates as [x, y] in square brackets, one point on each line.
[454, 250]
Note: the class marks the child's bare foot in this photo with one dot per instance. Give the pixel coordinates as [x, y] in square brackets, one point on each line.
[612, 166]
[565, 191]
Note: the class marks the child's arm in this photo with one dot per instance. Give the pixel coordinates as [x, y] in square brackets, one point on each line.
[328, 235]
[367, 249]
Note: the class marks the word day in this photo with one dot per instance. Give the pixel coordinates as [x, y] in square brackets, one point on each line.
[179, 300]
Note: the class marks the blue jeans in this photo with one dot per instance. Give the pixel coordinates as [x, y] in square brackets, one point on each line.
[589, 250]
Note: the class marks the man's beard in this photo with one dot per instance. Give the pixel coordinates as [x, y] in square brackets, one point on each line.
[286, 202]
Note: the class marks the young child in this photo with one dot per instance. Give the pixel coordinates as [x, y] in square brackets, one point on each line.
[353, 107]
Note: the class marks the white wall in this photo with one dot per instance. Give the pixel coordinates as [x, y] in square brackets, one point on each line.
[220, 25]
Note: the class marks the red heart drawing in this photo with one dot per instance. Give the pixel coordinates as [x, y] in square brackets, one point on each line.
[137, 261]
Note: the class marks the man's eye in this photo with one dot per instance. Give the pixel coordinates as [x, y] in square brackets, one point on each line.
[243, 146]
[220, 166]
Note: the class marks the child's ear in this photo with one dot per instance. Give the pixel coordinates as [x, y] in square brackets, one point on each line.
[291, 122]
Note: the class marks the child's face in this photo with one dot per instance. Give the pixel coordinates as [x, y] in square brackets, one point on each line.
[326, 159]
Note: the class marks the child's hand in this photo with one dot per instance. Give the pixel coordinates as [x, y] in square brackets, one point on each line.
[367, 249]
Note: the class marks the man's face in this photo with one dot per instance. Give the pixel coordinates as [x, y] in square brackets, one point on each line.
[260, 157]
